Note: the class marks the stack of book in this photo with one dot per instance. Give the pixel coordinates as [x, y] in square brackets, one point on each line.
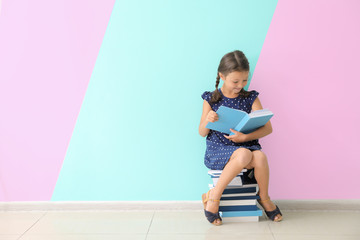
[238, 201]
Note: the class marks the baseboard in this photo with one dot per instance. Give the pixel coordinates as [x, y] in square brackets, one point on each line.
[320, 205]
[290, 205]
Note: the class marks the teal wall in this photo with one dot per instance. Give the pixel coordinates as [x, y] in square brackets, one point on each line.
[136, 136]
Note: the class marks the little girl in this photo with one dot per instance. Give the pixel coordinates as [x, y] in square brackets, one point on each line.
[236, 152]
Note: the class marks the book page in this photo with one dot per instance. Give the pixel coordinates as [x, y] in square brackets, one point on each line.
[261, 112]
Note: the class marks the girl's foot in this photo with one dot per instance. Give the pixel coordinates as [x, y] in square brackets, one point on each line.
[213, 206]
[269, 206]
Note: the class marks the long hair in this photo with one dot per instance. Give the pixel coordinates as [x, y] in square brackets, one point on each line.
[230, 62]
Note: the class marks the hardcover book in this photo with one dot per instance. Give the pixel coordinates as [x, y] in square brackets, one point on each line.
[239, 120]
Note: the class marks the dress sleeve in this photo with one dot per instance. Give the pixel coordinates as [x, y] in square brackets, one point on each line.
[253, 95]
[206, 96]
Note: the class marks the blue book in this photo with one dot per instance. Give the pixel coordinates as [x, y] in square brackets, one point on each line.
[239, 120]
[239, 198]
[241, 213]
[239, 190]
[238, 208]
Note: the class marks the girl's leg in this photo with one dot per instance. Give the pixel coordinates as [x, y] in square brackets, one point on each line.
[261, 169]
[237, 162]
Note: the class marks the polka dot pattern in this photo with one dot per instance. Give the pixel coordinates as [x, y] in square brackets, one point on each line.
[218, 148]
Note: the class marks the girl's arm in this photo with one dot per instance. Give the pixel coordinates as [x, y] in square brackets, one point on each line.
[264, 130]
[203, 131]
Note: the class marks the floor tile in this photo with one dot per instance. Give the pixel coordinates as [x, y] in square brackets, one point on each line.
[234, 236]
[279, 236]
[184, 225]
[84, 237]
[316, 222]
[12, 222]
[9, 237]
[196, 223]
[93, 223]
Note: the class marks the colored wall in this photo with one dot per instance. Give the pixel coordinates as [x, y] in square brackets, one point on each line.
[48, 51]
[101, 101]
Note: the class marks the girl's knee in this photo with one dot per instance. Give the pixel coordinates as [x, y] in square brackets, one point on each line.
[259, 159]
[242, 155]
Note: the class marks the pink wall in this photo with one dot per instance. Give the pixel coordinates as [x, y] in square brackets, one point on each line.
[48, 51]
[308, 75]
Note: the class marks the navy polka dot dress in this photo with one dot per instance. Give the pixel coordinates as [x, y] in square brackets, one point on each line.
[218, 148]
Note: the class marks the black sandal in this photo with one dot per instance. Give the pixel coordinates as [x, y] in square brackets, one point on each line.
[271, 214]
[211, 217]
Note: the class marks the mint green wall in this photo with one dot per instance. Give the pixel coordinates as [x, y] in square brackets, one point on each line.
[136, 136]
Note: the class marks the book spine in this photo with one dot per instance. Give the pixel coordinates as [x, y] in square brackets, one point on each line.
[241, 124]
[242, 219]
[237, 202]
[238, 208]
[226, 198]
[257, 212]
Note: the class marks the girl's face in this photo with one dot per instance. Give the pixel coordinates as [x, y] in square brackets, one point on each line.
[235, 81]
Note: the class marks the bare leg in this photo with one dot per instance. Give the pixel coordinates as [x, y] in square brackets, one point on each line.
[261, 170]
[238, 160]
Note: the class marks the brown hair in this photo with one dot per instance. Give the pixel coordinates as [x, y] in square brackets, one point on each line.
[230, 62]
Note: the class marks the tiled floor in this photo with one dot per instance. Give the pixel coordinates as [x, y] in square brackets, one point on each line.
[177, 225]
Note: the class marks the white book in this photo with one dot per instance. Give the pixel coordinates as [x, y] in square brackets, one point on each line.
[238, 194]
[243, 186]
[218, 172]
[235, 182]
[237, 202]
[241, 219]
[211, 186]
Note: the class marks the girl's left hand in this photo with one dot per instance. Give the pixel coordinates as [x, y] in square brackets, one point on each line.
[238, 137]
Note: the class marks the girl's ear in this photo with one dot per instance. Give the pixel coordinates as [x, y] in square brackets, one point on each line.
[221, 76]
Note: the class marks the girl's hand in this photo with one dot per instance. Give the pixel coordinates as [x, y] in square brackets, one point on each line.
[212, 116]
[238, 137]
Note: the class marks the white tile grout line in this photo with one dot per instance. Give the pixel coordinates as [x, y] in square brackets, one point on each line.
[31, 226]
[150, 224]
[272, 234]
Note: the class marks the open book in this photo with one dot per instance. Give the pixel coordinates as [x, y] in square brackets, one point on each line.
[239, 120]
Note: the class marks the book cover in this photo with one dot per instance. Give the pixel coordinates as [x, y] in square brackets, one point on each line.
[237, 181]
[253, 194]
[239, 120]
[237, 202]
[218, 172]
[238, 208]
[255, 212]
[250, 188]
[246, 194]
[228, 198]
[241, 219]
